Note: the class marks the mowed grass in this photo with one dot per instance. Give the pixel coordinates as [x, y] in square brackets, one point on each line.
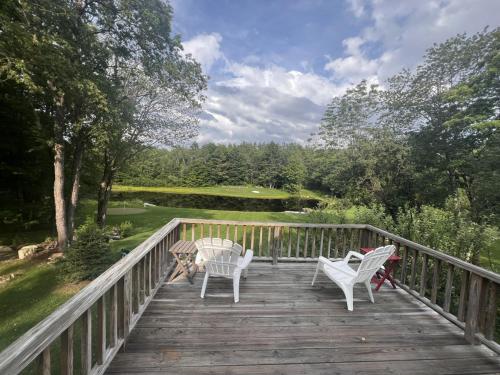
[36, 289]
[224, 191]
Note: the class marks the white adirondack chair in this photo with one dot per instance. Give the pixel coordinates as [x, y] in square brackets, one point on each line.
[345, 277]
[221, 258]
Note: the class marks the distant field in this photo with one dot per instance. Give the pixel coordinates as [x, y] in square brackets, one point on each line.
[224, 191]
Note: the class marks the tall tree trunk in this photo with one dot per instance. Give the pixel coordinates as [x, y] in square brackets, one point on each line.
[75, 189]
[105, 190]
[59, 202]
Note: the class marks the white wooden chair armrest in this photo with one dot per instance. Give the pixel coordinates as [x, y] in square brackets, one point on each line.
[355, 254]
[246, 259]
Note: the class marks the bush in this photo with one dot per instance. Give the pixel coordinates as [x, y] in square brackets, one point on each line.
[89, 255]
[126, 229]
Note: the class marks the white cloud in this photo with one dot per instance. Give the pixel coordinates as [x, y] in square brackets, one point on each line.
[265, 104]
[402, 31]
[293, 83]
[205, 48]
[357, 7]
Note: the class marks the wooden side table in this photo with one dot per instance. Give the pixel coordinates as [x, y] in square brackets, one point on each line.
[389, 268]
[184, 253]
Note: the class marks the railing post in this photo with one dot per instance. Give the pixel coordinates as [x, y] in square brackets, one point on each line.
[365, 238]
[275, 245]
[473, 309]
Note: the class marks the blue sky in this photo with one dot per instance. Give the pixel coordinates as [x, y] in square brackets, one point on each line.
[274, 65]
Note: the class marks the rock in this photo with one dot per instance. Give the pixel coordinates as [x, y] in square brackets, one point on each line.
[6, 252]
[55, 257]
[149, 204]
[5, 249]
[27, 251]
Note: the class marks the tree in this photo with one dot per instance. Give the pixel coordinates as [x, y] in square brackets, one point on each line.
[155, 106]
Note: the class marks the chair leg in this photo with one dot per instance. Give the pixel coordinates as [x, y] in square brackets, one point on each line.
[236, 289]
[315, 274]
[204, 287]
[369, 288]
[349, 296]
[245, 273]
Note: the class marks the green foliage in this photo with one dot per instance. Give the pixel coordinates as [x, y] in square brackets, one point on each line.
[449, 229]
[126, 229]
[89, 255]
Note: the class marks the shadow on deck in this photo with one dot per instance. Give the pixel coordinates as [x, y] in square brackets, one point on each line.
[282, 325]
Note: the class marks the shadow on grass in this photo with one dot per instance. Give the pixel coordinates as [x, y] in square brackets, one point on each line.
[28, 299]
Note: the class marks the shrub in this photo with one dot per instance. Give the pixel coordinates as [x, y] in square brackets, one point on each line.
[126, 229]
[374, 215]
[89, 255]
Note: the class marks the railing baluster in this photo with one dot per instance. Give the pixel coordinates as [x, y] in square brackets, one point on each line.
[462, 302]
[435, 280]
[269, 230]
[113, 316]
[448, 288]
[297, 248]
[306, 243]
[473, 308]
[67, 351]
[260, 241]
[193, 228]
[244, 242]
[404, 264]
[184, 231]
[491, 312]
[218, 230]
[44, 364]
[313, 247]
[289, 242]
[329, 243]
[343, 242]
[351, 240]
[252, 238]
[101, 330]
[413, 270]
[86, 342]
[423, 276]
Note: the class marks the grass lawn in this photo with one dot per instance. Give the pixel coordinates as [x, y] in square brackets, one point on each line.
[224, 191]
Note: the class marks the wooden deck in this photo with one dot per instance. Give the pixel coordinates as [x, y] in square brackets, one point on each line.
[282, 325]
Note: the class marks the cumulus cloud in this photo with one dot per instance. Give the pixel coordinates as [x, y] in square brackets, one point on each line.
[402, 31]
[205, 48]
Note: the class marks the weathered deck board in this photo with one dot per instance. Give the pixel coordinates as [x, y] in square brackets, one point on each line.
[282, 325]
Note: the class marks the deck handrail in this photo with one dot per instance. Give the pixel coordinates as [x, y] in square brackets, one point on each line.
[125, 289]
[36, 341]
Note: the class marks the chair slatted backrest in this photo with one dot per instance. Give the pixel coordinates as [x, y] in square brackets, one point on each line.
[372, 262]
[220, 255]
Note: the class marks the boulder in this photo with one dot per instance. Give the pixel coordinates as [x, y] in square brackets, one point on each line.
[55, 257]
[27, 251]
[6, 252]
[5, 249]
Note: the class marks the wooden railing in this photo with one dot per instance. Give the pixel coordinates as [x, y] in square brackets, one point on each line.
[112, 303]
[96, 322]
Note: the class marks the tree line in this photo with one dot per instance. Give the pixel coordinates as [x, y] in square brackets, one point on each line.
[87, 84]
